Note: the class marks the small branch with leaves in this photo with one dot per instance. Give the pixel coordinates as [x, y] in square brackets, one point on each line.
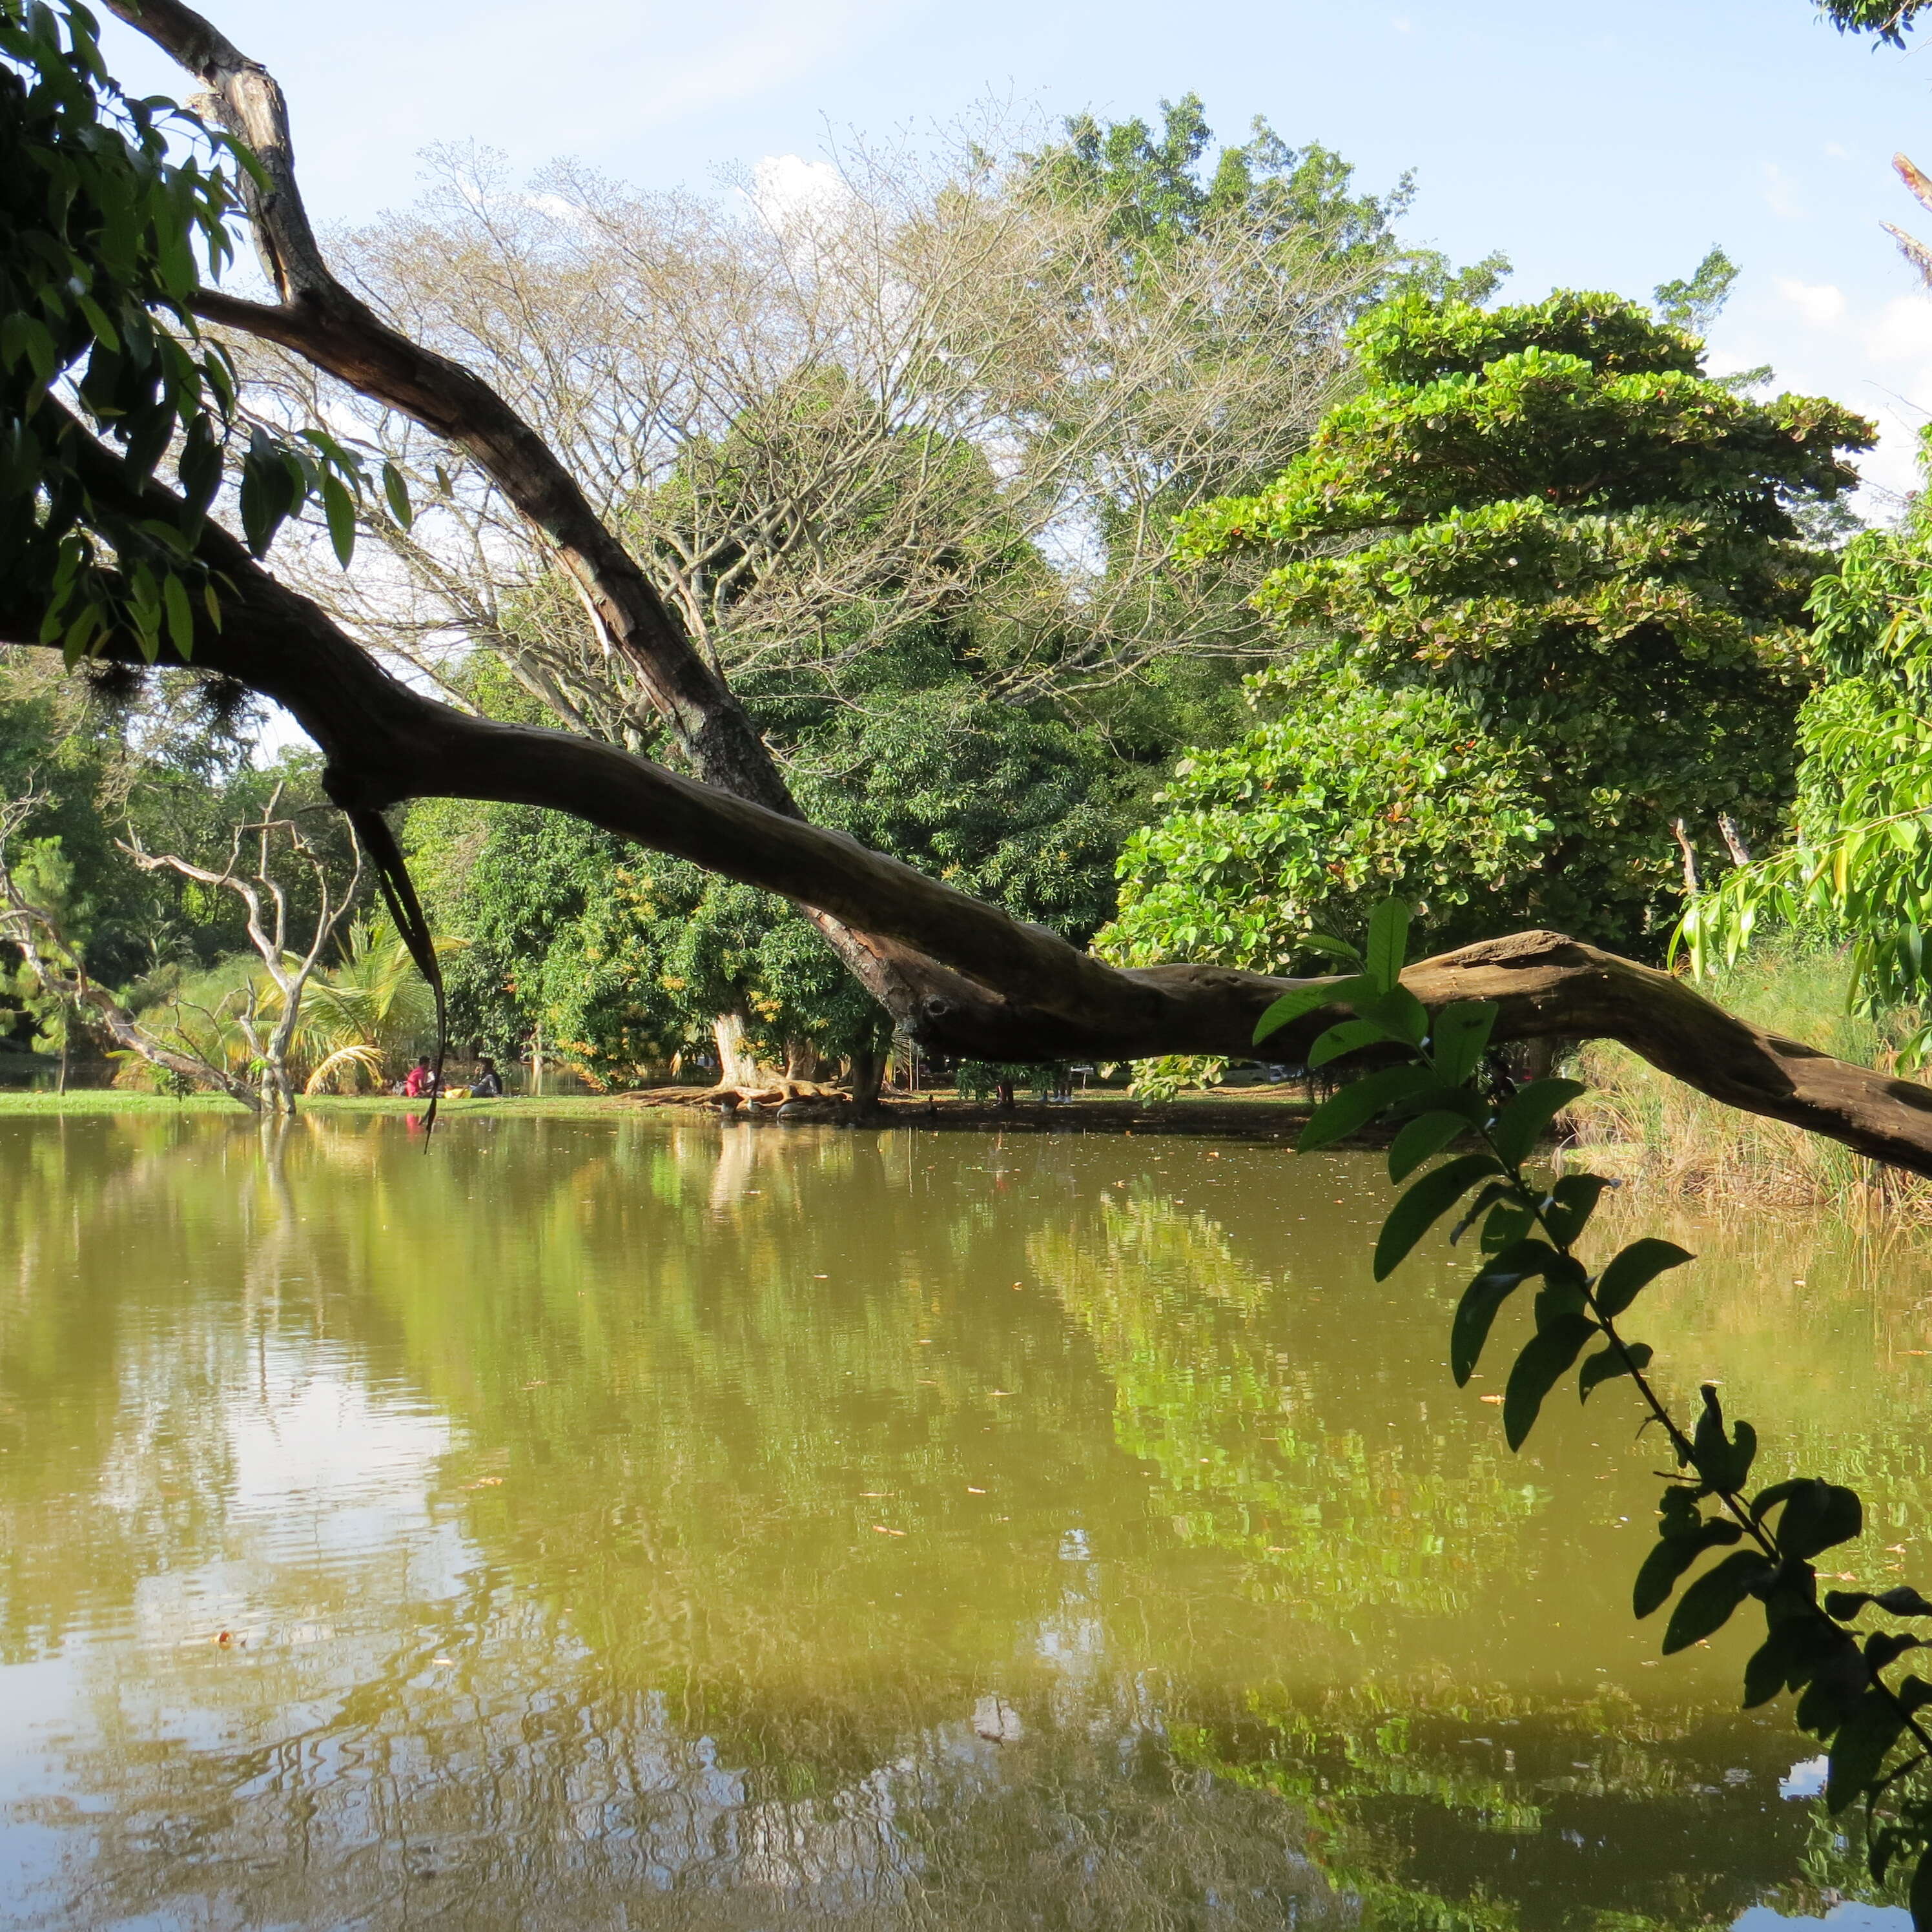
[1445, 1091]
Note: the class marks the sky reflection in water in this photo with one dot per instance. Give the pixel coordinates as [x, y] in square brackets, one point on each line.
[621, 1522]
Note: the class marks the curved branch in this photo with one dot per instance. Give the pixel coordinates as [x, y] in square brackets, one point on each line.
[324, 322]
[969, 978]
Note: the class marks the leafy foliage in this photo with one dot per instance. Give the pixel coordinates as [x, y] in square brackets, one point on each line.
[103, 237]
[1443, 1089]
[1856, 866]
[1549, 515]
[1325, 805]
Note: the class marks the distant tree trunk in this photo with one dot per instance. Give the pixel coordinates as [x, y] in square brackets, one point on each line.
[803, 1061]
[737, 1064]
[868, 1074]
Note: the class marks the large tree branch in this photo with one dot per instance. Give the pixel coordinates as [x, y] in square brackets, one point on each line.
[321, 319]
[975, 980]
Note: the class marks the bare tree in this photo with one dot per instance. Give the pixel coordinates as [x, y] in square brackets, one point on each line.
[963, 976]
[271, 1032]
[55, 959]
[844, 401]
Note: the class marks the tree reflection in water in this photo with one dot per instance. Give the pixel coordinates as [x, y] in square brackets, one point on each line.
[622, 1523]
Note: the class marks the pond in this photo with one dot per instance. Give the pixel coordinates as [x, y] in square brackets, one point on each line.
[627, 1521]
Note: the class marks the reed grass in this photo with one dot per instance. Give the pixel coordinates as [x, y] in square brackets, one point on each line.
[1648, 1129]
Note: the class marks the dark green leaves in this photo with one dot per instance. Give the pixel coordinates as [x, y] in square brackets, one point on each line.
[1498, 1280]
[1422, 1139]
[1676, 1550]
[1858, 1750]
[1388, 944]
[1425, 1203]
[1608, 1363]
[1817, 1515]
[1722, 1461]
[1571, 1203]
[1308, 1000]
[1633, 1269]
[1361, 1102]
[1543, 1362]
[1460, 1037]
[1707, 1605]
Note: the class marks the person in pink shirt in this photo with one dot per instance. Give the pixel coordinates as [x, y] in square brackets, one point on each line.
[422, 1082]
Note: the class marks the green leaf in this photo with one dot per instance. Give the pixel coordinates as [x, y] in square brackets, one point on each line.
[1360, 1102]
[1608, 1364]
[180, 614]
[1422, 1139]
[340, 508]
[1520, 1125]
[1494, 1284]
[1633, 1269]
[1545, 1359]
[1817, 1515]
[1724, 1462]
[1346, 1037]
[1388, 948]
[1706, 1606]
[1671, 1555]
[1461, 1036]
[1769, 1668]
[1426, 1202]
[1401, 1012]
[1307, 999]
[398, 491]
[1572, 1201]
[1859, 1751]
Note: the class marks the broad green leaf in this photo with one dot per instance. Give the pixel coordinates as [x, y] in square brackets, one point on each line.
[1633, 1269]
[1722, 1461]
[1460, 1036]
[1817, 1516]
[398, 491]
[1705, 1607]
[340, 508]
[181, 615]
[1670, 1556]
[1360, 1102]
[1401, 1012]
[1494, 1283]
[1426, 1202]
[1859, 1750]
[1422, 1139]
[1572, 1200]
[1322, 942]
[1348, 1037]
[1307, 999]
[1387, 948]
[1608, 1364]
[1545, 1358]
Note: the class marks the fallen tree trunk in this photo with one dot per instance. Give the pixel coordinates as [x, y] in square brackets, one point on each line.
[962, 977]
[976, 981]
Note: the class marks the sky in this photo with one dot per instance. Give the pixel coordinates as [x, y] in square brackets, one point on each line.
[1601, 147]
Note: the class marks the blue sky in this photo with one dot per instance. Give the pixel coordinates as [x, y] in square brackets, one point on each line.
[1602, 148]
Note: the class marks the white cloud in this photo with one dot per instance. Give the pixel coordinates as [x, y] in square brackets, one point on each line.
[788, 190]
[1819, 303]
[1903, 332]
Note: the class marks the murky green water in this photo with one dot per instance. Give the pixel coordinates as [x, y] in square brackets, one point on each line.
[624, 1523]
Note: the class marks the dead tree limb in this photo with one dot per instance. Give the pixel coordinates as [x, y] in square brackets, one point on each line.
[58, 963]
[265, 902]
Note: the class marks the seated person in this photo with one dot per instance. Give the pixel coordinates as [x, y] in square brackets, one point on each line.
[488, 1084]
[421, 1083]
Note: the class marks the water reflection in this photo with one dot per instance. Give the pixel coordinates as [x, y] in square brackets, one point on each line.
[631, 1522]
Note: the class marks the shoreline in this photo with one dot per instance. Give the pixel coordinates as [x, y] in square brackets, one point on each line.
[1270, 1116]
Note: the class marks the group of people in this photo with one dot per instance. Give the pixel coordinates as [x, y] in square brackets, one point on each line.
[421, 1083]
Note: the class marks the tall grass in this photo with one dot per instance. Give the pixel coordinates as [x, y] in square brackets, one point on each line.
[1654, 1131]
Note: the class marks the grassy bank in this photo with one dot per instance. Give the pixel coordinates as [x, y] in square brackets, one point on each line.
[1643, 1125]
